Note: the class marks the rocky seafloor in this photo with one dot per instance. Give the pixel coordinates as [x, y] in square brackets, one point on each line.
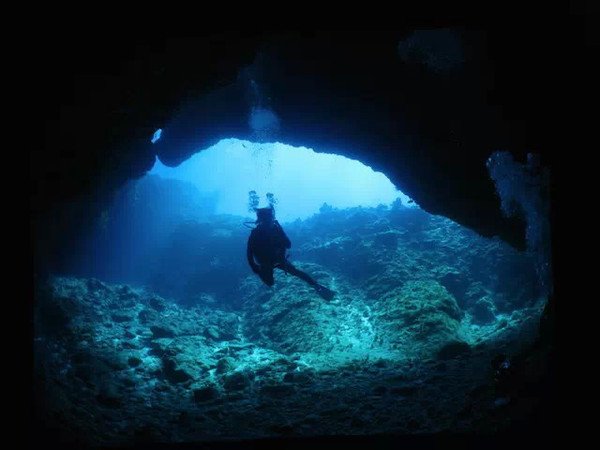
[422, 307]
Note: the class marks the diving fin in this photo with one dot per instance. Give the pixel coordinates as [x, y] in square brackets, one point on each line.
[324, 293]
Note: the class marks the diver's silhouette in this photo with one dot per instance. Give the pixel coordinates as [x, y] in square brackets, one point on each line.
[267, 245]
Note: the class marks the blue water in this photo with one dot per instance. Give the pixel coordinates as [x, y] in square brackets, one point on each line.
[160, 331]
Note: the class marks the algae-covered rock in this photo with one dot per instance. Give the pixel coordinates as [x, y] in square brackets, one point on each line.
[95, 285]
[224, 365]
[157, 303]
[290, 320]
[147, 315]
[421, 317]
[173, 372]
[240, 349]
[127, 297]
[483, 311]
[474, 292]
[239, 380]
[212, 333]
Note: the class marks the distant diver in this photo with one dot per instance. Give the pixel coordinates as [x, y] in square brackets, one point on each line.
[267, 245]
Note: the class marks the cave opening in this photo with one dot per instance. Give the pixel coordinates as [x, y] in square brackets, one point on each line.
[157, 330]
[168, 318]
[301, 179]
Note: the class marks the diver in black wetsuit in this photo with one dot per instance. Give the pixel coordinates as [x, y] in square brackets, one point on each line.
[267, 245]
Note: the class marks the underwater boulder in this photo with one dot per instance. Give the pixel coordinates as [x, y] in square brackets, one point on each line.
[173, 373]
[157, 303]
[94, 285]
[474, 292]
[457, 285]
[381, 284]
[238, 381]
[225, 364]
[212, 333]
[147, 315]
[228, 326]
[483, 311]
[182, 358]
[290, 321]
[419, 318]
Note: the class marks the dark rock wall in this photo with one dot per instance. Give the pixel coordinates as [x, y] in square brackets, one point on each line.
[102, 95]
[350, 92]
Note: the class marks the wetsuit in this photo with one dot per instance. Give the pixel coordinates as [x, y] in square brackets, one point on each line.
[267, 245]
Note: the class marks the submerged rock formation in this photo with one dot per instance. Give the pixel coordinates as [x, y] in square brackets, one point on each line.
[395, 351]
[117, 363]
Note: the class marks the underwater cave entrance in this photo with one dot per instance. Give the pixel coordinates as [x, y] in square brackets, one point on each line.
[171, 327]
[179, 231]
[301, 179]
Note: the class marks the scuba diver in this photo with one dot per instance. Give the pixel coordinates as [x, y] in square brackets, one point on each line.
[267, 247]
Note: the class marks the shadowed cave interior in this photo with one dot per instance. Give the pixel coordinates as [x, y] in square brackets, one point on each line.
[150, 327]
